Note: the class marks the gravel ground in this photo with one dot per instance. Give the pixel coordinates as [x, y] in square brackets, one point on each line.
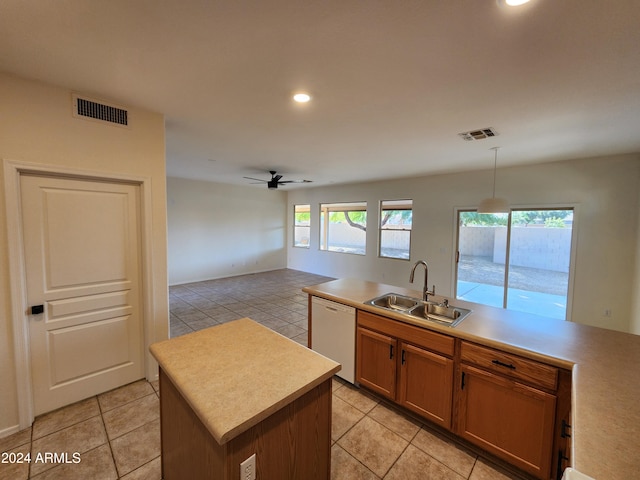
[483, 270]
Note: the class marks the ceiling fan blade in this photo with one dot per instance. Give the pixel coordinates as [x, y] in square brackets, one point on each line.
[276, 179]
[257, 179]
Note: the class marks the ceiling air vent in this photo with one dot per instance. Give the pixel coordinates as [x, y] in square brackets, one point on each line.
[86, 108]
[478, 134]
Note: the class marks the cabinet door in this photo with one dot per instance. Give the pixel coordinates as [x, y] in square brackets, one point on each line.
[426, 384]
[511, 420]
[376, 365]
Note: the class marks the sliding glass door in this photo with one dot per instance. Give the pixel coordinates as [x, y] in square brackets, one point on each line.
[520, 261]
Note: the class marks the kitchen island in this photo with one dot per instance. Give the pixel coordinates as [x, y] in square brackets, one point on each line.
[238, 389]
[605, 378]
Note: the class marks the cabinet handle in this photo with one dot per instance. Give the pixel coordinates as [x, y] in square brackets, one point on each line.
[403, 352]
[510, 366]
[462, 382]
[390, 352]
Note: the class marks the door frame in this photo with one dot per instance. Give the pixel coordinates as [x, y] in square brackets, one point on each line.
[18, 307]
[573, 254]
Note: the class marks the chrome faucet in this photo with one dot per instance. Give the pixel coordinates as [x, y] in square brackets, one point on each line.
[425, 289]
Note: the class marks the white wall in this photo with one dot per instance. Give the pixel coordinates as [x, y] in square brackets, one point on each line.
[604, 190]
[218, 230]
[36, 126]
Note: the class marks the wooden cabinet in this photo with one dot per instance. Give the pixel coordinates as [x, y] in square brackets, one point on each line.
[426, 381]
[406, 364]
[293, 442]
[501, 413]
[376, 365]
[513, 407]
[562, 432]
[510, 365]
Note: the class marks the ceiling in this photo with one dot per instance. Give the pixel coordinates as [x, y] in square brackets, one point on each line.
[393, 82]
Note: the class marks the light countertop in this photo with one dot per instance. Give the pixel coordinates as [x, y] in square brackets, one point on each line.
[237, 374]
[605, 367]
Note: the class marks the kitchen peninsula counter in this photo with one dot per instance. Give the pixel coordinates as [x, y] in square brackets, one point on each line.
[232, 386]
[604, 365]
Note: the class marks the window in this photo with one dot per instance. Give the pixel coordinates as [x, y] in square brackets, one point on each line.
[301, 225]
[396, 217]
[343, 227]
[518, 261]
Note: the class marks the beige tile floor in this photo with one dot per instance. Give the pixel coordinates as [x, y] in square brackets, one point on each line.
[114, 435]
[117, 434]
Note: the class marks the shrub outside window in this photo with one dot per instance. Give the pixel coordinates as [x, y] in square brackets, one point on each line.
[396, 218]
[301, 225]
[343, 227]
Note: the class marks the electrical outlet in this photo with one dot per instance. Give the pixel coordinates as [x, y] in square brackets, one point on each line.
[248, 468]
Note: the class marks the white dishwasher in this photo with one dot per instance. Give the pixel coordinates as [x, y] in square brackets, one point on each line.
[333, 334]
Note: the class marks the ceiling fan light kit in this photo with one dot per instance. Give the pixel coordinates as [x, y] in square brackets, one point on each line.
[273, 183]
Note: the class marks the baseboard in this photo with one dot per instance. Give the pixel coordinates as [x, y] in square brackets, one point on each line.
[228, 275]
[9, 431]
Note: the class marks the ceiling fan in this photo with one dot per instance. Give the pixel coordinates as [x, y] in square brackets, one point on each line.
[275, 180]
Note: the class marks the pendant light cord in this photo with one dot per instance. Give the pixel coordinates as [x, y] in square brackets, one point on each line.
[495, 167]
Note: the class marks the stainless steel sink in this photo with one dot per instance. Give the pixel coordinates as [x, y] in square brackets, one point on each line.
[445, 314]
[393, 301]
[416, 309]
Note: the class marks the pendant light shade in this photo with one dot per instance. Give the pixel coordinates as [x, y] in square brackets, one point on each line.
[493, 204]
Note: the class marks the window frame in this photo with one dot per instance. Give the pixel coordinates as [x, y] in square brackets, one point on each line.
[515, 208]
[296, 225]
[401, 203]
[324, 233]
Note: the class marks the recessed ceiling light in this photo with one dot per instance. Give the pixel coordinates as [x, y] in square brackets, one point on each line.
[302, 97]
[515, 3]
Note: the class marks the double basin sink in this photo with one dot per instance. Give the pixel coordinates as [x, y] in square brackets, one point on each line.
[414, 308]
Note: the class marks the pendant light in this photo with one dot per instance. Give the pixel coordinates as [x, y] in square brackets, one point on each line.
[493, 204]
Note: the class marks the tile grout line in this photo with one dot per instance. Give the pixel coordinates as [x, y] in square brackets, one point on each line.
[106, 434]
[475, 462]
[365, 466]
[403, 450]
[366, 415]
[421, 426]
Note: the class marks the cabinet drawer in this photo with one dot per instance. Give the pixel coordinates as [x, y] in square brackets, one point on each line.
[511, 365]
[418, 336]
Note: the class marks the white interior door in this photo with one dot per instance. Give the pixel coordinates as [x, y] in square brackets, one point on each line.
[82, 259]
